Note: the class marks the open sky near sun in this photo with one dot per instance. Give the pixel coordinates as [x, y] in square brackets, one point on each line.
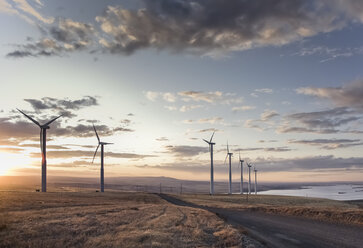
[280, 80]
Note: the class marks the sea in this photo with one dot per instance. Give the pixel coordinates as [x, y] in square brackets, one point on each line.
[340, 192]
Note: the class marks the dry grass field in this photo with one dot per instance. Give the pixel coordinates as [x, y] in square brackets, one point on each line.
[315, 208]
[112, 219]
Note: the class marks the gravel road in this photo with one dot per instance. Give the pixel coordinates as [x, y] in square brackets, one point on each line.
[286, 231]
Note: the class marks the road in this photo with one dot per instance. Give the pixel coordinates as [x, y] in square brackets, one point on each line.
[286, 231]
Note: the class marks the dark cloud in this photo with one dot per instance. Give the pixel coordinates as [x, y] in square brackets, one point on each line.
[63, 104]
[18, 131]
[324, 122]
[186, 151]
[19, 54]
[23, 130]
[303, 164]
[78, 153]
[329, 144]
[349, 95]
[209, 26]
[309, 163]
[82, 130]
[65, 36]
[265, 149]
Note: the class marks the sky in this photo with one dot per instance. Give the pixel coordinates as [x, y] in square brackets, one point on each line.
[280, 81]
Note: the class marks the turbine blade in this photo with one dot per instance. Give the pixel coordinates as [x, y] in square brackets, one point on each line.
[95, 153]
[50, 122]
[108, 143]
[225, 159]
[206, 141]
[227, 147]
[239, 156]
[27, 116]
[98, 138]
[212, 137]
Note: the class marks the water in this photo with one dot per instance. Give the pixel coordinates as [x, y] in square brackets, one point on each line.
[342, 192]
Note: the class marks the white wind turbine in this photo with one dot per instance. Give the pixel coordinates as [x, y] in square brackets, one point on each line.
[211, 144]
[229, 154]
[241, 164]
[43, 146]
[249, 177]
[102, 170]
[255, 181]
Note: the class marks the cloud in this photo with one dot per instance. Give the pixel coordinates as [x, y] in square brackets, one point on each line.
[349, 95]
[201, 27]
[329, 144]
[243, 108]
[264, 122]
[214, 26]
[79, 153]
[64, 107]
[66, 36]
[265, 149]
[152, 95]
[265, 90]
[186, 151]
[186, 108]
[268, 114]
[322, 121]
[208, 130]
[24, 6]
[309, 163]
[162, 139]
[197, 96]
[166, 96]
[194, 96]
[214, 120]
[11, 150]
[54, 103]
[298, 164]
[24, 130]
[329, 54]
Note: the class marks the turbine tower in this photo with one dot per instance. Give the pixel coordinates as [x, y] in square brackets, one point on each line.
[241, 164]
[43, 146]
[211, 144]
[229, 154]
[249, 177]
[255, 181]
[102, 170]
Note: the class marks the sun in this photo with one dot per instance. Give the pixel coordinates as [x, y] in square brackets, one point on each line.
[10, 162]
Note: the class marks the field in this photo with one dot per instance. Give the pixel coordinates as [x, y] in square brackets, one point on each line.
[112, 219]
[315, 208]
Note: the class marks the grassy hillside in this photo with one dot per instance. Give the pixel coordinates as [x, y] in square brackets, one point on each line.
[30, 219]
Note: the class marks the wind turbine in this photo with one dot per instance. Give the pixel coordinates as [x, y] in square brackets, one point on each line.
[249, 177]
[255, 181]
[102, 171]
[241, 164]
[211, 144]
[43, 146]
[229, 154]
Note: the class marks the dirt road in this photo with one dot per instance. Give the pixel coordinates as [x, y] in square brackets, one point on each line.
[286, 231]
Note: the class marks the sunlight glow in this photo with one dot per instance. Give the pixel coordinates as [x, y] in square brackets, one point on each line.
[9, 162]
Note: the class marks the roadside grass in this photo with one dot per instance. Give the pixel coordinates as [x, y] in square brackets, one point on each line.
[314, 208]
[112, 219]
